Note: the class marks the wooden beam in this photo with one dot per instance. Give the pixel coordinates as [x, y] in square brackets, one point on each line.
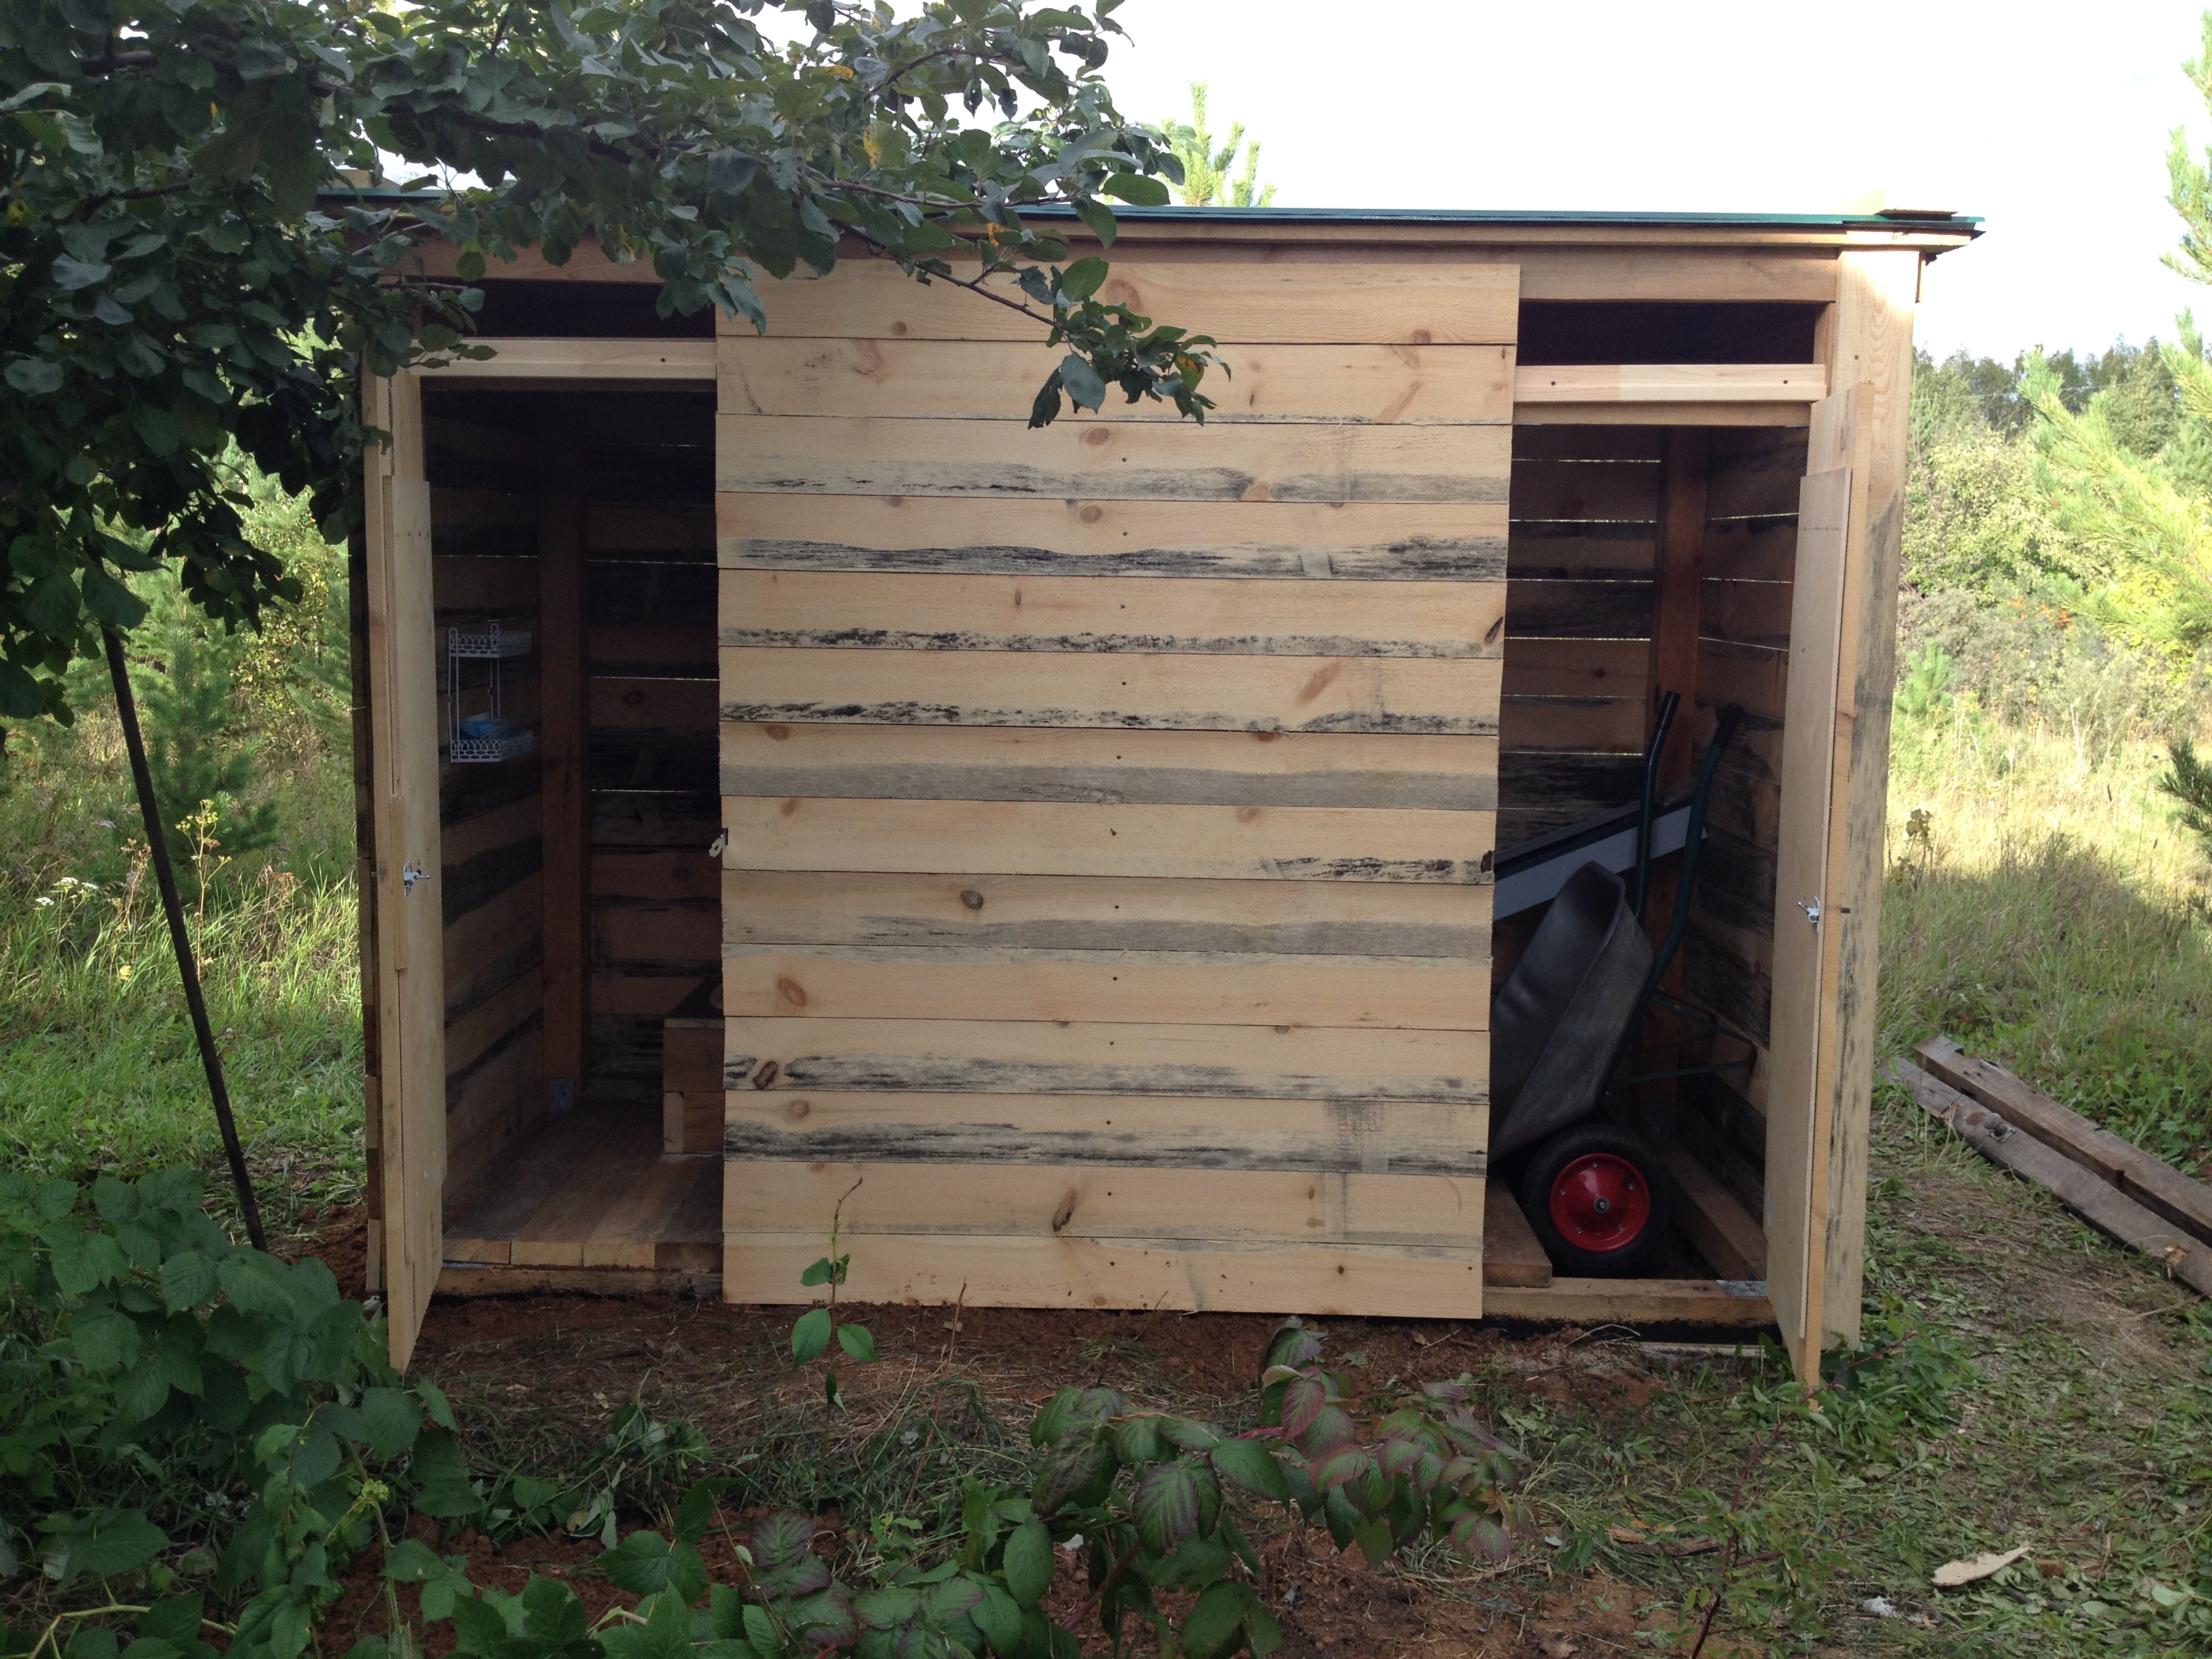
[1703, 414]
[1680, 575]
[1511, 1252]
[1671, 383]
[1737, 1304]
[583, 360]
[1871, 349]
[1725, 1235]
[564, 725]
[2000, 1137]
[2150, 1181]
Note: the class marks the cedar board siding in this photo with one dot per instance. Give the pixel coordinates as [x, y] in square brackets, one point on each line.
[1111, 805]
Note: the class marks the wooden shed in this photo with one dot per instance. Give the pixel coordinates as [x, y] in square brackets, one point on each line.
[782, 768]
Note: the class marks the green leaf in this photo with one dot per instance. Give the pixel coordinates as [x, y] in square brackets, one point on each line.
[1480, 1536]
[158, 428]
[640, 1564]
[1216, 1625]
[143, 1390]
[810, 1335]
[819, 1273]
[392, 1420]
[34, 375]
[1000, 1618]
[106, 1339]
[697, 1512]
[117, 1542]
[82, 1262]
[552, 1613]
[71, 273]
[856, 1341]
[1249, 1464]
[1374, 1539]
[110, 601]
[1082, 279]
[1084, 389]
[1135, 189]
[1029, 1562]
[784, 1562]
[1100, 217]
[1165, 1506]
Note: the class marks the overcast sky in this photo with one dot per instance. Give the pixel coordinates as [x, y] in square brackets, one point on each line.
[2049, 121]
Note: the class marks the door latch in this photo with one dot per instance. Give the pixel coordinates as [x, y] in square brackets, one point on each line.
[410, 873]
[1811, 910]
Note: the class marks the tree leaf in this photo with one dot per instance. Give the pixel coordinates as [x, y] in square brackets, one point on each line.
[1084, 387]
[1136, 189]
[857, 1341]
[34, 375]
[1082, 279]
[1100, 217]
[110, 600]
[1029, 1562]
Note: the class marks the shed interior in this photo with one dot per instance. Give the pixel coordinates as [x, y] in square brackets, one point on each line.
[581, 903]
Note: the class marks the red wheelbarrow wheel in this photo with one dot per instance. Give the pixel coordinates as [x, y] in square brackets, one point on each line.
[1598, 1200]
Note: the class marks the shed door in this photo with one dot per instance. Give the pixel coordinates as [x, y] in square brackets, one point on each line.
[411, 1062]
[1804, 933]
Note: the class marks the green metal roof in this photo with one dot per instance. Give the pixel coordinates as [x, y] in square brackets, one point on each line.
[1954, 224]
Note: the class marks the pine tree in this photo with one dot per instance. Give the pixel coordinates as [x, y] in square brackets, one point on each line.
[196, 746]
[1206, 169]
[2190, 782]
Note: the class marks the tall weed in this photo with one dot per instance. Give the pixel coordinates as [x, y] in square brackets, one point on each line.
[98, 1069]
[2049, 912]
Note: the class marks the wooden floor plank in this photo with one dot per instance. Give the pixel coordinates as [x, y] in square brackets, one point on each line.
[1512, 1254]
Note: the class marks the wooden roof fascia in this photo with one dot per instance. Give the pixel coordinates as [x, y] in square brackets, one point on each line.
[1554, 271]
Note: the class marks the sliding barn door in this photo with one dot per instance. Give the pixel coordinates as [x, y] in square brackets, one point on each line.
[409, 1065]
[1799, 1107]
[1110, 806]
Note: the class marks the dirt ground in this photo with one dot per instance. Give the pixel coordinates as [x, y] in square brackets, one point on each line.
[548, 1363]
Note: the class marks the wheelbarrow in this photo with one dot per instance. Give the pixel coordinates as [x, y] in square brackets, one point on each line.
[1595, 1191]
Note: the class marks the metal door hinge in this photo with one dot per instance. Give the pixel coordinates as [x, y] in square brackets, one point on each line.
[410, 873]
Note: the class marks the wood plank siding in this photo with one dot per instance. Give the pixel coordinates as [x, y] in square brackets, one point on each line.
[1111, 807]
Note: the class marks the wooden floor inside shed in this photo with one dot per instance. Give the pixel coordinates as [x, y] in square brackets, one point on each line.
[594, 1190]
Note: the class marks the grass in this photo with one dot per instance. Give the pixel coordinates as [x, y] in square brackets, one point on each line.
[98, 1066]
[2050, 914]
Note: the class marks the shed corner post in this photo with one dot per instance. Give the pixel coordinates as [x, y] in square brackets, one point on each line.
[1870, 342]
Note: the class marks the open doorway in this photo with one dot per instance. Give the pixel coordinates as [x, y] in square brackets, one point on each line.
[573, 570]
